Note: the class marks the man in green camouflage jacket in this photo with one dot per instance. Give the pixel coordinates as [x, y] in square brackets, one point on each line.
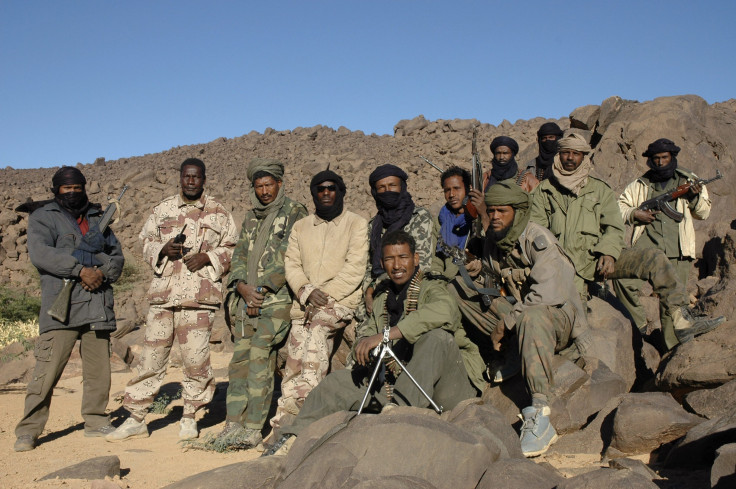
[258, 303]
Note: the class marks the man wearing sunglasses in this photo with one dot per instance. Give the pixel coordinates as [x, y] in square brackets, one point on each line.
[324, 264]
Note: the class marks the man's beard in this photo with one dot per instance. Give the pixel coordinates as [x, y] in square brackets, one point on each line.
[499, 235]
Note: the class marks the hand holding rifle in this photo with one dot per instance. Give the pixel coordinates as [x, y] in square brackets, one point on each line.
[647, 211]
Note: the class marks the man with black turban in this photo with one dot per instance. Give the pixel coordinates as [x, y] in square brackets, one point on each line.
[258, 303]
[396, 210]
[503, 167]
[65, 243]
[547, 136]
[324, 264]
[524, 261]
[653, 229]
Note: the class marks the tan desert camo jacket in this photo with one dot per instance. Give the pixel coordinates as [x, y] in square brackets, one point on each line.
[210, 229]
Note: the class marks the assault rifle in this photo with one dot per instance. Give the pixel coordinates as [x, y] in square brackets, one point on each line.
[462, 257]
[662, 202]
[59, 310]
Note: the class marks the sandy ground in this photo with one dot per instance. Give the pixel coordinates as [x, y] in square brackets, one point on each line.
[160, 459]
[144, 462]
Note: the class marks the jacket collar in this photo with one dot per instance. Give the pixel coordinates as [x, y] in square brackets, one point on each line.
[318, 220]
[199, 203]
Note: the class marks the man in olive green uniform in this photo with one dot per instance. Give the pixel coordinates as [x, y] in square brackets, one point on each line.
[259, 303]
[581, 212]
[422, 319]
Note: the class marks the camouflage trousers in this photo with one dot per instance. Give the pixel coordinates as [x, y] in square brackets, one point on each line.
[668, 278]
[192, 328]
[543, 331]
[308, 356]
[251, 369]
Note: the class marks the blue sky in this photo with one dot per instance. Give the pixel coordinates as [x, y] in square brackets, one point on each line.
[84, 79]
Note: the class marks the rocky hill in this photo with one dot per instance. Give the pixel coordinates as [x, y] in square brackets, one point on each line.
[618, 129]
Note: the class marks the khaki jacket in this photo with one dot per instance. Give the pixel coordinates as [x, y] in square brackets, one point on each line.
[538, 272]
[640, 190]
[330, 255]
[209, 229]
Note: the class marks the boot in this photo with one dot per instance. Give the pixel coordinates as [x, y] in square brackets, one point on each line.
[537, 433]
[688, 326]
[188, 429]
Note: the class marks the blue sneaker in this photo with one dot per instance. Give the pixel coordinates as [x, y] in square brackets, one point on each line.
[537, 433]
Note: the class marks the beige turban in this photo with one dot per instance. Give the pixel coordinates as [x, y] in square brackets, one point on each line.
[575, 142]
[576, 179]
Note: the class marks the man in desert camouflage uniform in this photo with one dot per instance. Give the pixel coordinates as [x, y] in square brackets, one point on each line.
[184, 295]
[324, 266]
[259, 303]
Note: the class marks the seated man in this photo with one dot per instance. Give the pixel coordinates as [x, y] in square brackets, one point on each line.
[581, 212]
[543, 306]
[422, 319]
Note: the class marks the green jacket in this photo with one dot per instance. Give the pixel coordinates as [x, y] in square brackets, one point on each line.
[436, 308]
[271, 274]
[587, 225]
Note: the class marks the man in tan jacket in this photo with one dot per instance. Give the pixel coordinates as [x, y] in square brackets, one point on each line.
[654, 229]
[324, 264]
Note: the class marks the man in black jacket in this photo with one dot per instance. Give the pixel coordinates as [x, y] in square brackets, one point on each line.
[64, 242]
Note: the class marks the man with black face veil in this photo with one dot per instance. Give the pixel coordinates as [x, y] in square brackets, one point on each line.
[396, 211]
[547, 136]
[653, 229]
[64, 242]
[324, 265]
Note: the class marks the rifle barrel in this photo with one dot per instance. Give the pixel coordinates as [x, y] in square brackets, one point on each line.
[432, 164]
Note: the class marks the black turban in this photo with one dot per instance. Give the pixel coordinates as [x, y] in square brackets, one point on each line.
[505, 141]
[328, 213]
[387, 170]
[67, 175]
[662, 145]
[661, 174]
[547, 149]
[394, 211]
[75, 203]
[549, 128]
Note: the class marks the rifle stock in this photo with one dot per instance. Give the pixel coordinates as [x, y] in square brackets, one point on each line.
[59, 310]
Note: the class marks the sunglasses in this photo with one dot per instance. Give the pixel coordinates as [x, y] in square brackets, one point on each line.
[330, 188]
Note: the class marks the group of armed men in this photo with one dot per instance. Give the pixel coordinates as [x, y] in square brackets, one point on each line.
[496, 284]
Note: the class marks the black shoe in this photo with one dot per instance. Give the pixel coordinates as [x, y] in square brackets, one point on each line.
[701, 325]
[281, 447]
